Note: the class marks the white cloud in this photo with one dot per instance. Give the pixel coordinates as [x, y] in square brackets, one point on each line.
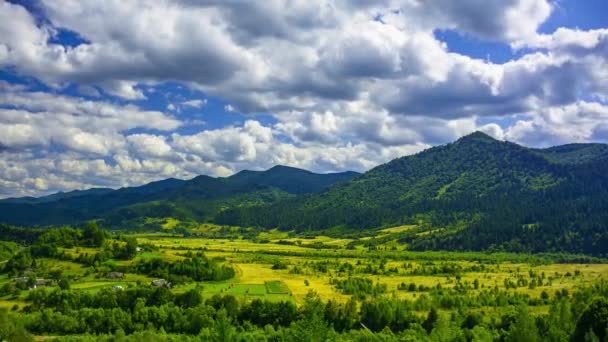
[149, 145]
[350, 84]
[44, 120]
[579, 122]
[197, 103]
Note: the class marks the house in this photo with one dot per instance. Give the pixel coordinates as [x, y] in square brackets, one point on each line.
[42, 282]
[38, 282]
[117, 288]
[138, 249]
[161, 283]
[115, 275]
[20, 280]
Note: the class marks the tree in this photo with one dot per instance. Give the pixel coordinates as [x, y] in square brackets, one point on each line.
[12, 329]
[63, 284]
[446, 331]
[224, 331]
[594, 319]
[189, 299]
[482, 334]
[19, 262]
[93, 235]
[311, 327]
[559, 323]
[432, 317]
[130, 250]
[524, 328]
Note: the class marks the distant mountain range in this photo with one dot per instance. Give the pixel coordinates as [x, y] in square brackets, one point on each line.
[197, 199]
[477, 193]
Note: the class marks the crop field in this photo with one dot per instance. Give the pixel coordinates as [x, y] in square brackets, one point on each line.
[276, 287]
[282, 268]
[308, 268]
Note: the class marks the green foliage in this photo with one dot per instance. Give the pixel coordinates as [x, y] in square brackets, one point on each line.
[159, 314]
[475, 194]
[198, 199]
[92, 235]
[197, 268]
[11, 329]
[7, 250]
[63, 284]
[594, 319]
[524, 328]
[360, 287]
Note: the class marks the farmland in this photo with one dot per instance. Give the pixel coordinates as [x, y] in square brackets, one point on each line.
[284, 267]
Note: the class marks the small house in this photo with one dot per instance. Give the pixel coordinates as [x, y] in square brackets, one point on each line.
[115, 275]
[42, 282]
[21, 280]
[161, 283]
[117, 288]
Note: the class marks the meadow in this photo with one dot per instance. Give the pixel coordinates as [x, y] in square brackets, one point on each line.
[306, 267]
[284, 267]
[314, 262]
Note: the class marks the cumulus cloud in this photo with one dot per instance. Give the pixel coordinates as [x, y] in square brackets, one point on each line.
[44, 120]
[349, 84]
[281, 54]
[578, 122]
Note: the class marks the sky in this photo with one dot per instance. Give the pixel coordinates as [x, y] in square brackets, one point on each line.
[120, 93]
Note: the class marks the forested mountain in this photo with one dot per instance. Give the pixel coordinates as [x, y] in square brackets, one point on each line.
[197, 199]
[475, 193]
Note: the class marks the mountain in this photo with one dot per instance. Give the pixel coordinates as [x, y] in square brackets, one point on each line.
[197, 199]
[282, 177]
[55, 197]
[475, 193]
[575, 153]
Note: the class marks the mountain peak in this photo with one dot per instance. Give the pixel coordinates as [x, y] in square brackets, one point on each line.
[477, 136]
[285, 168]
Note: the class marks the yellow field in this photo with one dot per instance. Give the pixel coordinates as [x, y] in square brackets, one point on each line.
[309, 268]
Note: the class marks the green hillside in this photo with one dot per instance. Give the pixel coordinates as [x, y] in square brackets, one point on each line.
[475, 193]
[197, 199]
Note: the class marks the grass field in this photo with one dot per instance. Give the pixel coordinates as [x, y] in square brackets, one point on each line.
[314, 263]
[253, 262]
[276, 287]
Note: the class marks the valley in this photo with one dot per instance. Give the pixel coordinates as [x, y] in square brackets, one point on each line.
[287, 268]
[476, 240]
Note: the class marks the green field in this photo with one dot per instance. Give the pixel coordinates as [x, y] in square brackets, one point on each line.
[276, 287]
[282, 267]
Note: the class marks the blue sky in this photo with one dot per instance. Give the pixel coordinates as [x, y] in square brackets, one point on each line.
[118, 94]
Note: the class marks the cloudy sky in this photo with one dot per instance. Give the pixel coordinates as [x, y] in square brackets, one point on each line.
[115, 93]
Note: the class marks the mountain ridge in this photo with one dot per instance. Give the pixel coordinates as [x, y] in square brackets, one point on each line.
[475, 184]
[476, 193]
[95, 203]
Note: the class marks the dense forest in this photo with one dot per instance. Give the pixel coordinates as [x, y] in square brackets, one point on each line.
[198, 199]
[475, 194]
[159, 314]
